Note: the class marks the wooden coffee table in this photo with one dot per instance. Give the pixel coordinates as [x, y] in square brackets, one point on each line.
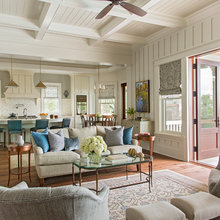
[81, 164]
[19, 171]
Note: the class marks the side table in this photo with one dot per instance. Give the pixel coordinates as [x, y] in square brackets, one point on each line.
[19, 150]
[150, 138]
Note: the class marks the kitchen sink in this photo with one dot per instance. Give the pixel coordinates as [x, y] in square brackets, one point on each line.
[27, 117]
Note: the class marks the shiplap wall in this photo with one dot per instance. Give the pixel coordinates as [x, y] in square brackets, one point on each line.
[196, 38]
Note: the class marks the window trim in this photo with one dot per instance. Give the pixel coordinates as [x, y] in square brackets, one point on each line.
[59, 97]
[163, 113]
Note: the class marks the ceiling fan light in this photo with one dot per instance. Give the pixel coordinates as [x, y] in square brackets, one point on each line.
[12, 84]
[41, 85]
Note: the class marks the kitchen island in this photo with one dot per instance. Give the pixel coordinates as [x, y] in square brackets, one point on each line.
[27, 124]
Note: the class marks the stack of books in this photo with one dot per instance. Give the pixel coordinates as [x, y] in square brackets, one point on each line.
[118, 158]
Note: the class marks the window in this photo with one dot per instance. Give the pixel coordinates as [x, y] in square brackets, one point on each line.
[51, 99]
[81, 104]
[172, 113]
[107, 106]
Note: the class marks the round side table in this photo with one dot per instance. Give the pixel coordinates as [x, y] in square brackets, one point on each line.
[19, 171]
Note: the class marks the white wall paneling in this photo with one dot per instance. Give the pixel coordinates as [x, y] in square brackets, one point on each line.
[163, 47]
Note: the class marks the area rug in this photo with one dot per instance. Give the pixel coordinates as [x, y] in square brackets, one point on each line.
[14, 160]
[166, 185]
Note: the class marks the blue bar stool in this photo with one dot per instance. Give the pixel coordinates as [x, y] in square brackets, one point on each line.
[65, 124]
[40, 124]
[15, 127]
[3, 130]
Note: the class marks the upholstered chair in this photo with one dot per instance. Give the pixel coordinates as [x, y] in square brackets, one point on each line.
[214, 180]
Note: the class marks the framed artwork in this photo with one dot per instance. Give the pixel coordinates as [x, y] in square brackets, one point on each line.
[143, 96]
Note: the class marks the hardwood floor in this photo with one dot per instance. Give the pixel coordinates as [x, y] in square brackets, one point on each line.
[160, 162]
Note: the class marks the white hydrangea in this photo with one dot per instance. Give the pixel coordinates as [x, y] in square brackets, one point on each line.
[94, 144]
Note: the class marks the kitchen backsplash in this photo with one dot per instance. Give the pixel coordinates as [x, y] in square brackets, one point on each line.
[8, 106]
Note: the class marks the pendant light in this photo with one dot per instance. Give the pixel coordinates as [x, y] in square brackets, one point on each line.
[99, 85]
[41, 85]
[12, 83]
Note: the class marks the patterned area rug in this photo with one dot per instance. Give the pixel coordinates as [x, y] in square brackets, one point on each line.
[166, 185]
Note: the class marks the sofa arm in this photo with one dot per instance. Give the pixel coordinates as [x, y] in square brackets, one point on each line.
[103, 195]
[37, 150]
[134, 142]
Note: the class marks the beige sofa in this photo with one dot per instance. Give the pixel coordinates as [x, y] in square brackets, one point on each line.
[52, 164]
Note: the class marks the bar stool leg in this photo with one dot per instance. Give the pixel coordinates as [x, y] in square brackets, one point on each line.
[29, 164]
[9, 167]
[9, 138]
[4, 139]
[24, 136]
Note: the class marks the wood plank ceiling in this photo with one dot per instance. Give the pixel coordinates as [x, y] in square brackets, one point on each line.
[76, 18]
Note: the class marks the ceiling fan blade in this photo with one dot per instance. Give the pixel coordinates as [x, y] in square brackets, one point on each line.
[105, 11]
[134, 9]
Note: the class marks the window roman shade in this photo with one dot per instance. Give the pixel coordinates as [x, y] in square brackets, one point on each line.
[107, 93]
[81, 98]
[170, 78]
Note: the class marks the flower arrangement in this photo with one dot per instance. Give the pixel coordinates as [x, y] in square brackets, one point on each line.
[93, 146]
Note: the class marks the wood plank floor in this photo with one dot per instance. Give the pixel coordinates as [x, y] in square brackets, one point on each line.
[160, 162]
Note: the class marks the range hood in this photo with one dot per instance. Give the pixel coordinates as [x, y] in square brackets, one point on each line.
[26, 89]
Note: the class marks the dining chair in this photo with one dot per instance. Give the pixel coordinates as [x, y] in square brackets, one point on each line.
[40, 124]
[3, 130]
[83, 121]
[107, 120]
[15, 127]
[92, 119]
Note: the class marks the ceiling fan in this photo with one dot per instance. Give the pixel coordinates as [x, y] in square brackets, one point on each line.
[131, 8]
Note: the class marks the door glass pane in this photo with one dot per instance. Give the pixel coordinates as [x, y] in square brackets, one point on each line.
[208, 97]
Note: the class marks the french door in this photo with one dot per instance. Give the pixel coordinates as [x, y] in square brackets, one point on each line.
[208, 109]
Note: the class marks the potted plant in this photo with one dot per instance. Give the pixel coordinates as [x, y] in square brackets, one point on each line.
[131, 113]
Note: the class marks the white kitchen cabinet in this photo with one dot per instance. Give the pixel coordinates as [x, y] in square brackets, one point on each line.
[139, 126]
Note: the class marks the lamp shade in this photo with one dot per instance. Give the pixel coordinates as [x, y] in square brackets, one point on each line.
[41, 85]
[12, 84]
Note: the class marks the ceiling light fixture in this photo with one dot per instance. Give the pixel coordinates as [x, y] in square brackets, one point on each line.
[12, 83]
[41, 85]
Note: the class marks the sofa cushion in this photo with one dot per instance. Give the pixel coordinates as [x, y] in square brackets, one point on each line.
[71, 144]
[21, 185]
[82, 133]
[127, 135]
[121, 149]
[60, 157]
[56, 141]
[214, 182]
[114, 137]
[198, 206]
[156, 211]
[65, 131]
[41, 139]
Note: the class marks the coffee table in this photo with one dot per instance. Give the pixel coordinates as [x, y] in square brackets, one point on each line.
[82, 164]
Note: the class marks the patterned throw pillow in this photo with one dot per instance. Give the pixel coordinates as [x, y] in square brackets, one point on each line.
[114, 137]
[127, 136]
[41, 140]
[71, 144]
[56, 141]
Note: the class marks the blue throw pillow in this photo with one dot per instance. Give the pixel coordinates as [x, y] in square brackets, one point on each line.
[71, 144]
[127, 135]
[41, 139]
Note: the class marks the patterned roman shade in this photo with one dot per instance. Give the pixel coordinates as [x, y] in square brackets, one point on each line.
[107, 93]
[170, 78]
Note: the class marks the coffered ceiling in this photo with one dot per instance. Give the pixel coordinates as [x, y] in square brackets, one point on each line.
[76, 18]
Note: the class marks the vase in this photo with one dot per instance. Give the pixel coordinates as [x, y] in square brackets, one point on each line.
[95, 158]
[20, 141]
[131, 117]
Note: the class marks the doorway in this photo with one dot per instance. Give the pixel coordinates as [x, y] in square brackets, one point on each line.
[207, 111]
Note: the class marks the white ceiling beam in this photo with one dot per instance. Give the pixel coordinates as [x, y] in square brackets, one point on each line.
[18, 22]
[93, 34]
[46, 17]
[117, 11]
